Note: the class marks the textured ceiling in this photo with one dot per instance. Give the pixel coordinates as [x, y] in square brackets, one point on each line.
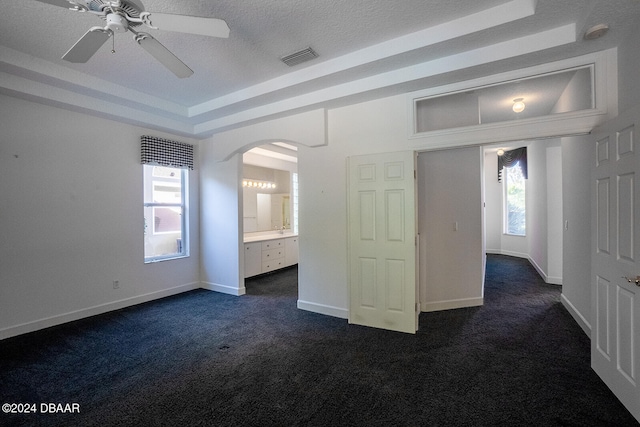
[241, 79]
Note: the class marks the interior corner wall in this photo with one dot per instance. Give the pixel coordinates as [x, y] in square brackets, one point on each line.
[222, 260]
[537, 206]
[554, 213]
[72, 219]
[493, 204]
[577, 155]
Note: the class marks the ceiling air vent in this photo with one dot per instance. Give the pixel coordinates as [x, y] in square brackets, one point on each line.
[299, 57]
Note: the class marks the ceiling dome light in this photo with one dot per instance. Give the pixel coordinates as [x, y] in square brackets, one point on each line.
[500, 152]
[518, 105]
[596, 32]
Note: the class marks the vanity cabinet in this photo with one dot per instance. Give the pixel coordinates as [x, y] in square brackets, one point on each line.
[269, 255]
[252, 259]
[272, 255]
[291, 250]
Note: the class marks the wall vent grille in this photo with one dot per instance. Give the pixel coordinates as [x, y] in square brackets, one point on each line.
[299, 57]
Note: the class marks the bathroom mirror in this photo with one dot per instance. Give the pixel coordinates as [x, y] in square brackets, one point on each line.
[266, 199]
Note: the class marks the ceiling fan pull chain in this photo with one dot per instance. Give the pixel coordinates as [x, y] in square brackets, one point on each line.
[113, 41]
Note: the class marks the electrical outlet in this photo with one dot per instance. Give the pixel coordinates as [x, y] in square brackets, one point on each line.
[116, 284]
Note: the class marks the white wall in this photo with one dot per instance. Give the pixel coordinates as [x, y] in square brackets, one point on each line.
[450, 226]
[537, 206]
[372, 127]
[628, 75]
[577, 155]
[493, 203]
[222, 262]
[554, 213]
[72, 219]
[377, 127]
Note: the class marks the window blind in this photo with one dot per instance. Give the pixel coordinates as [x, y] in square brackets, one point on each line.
[165, 152]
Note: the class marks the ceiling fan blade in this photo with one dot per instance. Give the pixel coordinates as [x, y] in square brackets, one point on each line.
[188, 24]
[163, 55]
[88, 44]
[61, 3]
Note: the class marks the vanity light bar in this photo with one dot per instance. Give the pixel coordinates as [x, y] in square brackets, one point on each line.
[258, 184]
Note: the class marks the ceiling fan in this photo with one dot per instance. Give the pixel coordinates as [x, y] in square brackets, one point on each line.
[127, 15]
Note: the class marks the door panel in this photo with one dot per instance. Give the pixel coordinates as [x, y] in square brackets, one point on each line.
[382, 251]
[615, 348]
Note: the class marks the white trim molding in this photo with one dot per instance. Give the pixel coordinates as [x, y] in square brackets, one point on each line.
[224, 289]
[327, 310]
[577, 316]
[451, 304]
[93, 311]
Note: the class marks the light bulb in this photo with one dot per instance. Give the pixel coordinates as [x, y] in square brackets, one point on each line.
[518, 105]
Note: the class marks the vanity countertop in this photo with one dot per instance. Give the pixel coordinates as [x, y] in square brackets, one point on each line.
[260, 237]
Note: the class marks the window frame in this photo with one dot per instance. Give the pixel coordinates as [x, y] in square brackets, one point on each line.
[183, 205]
[505, 198]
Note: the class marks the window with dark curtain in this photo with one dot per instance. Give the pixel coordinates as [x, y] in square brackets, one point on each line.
[511, 158]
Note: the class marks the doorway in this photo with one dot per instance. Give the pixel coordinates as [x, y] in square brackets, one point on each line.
[542, 241]
[269, 209]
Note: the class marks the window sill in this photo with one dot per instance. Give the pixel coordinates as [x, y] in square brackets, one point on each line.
[164, 258]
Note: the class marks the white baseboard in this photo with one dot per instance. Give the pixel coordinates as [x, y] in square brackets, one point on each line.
[323, 309]
[553, 280]
[507, 253]
[48, 322]
[224, 289]
[577, 316]
[451, 304]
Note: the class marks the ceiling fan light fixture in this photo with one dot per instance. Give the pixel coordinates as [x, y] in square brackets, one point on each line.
[518, 105]
[126, 15]
[117, 23]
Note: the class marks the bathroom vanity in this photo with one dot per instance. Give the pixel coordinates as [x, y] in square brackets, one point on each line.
[265, 252]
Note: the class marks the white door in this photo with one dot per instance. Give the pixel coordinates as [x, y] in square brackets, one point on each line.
[615, 333]
[382, 241]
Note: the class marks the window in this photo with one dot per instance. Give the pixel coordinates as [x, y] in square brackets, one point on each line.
[514, 201]
[569, 90]
[165, 213]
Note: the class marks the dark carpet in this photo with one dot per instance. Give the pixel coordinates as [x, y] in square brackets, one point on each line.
[209, 359]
